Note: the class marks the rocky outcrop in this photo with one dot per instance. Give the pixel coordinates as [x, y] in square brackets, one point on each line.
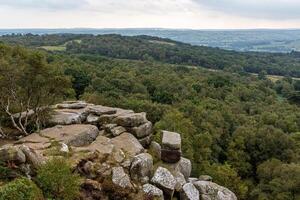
[171, 147]
[113, 149]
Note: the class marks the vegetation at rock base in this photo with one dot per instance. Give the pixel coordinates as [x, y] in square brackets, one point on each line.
[234, 126]
[57, 181]
[21, 189]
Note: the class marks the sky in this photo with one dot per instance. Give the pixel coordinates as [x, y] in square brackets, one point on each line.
[182, 14]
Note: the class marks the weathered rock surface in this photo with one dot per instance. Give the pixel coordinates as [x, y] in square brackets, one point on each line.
[75, 135]
[141, 167]
[214, 191]
[189, 192]
[112, 149]
[171, 147]
[120, 179]
[164, 180]
[152, 192]
[185, 167]
[205, 178]
[12, 154]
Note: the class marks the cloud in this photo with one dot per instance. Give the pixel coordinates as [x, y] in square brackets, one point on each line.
[268, 9]
[44, 4]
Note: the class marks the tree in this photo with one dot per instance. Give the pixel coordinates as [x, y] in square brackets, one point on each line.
[28, 86]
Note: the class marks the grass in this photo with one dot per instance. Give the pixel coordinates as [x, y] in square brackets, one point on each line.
[62, 47]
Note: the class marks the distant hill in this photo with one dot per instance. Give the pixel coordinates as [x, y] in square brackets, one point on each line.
[148, 48]
[239, 40]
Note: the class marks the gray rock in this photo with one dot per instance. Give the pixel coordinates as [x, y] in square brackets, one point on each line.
[164, 180]
[214, 191]
[72, 105]
[32, 157]
[192, 180]
[73, 135]
[116, 131]
[146, 141]
[180, 181]
[129, 145]
[205, 178]
[120, 179]
[143, 130]
[152, 192]
[130, 120]
[189, 192]
[13, 154]
[171, 141]
[141, 167]
[65, 118]
[155, 149]
[185, 167]
[92, 119]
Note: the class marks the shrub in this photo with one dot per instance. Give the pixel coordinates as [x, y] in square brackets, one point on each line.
[57, 181]
[20, 189]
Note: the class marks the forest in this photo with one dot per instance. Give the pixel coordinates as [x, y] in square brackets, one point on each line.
[242, 130]
[149, 48]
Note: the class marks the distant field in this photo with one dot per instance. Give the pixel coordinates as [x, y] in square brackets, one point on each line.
[59, 47]
[239, 40]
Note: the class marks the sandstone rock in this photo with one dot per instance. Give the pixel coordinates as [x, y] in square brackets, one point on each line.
[205, 178]
[170, 156]
[13, 154]
[185, 167]
[128, 143]
[72, 105]
[102, 145]
[152, 192]
[171, 141]
[143, 130]
[118, 156]
[102, 110]
[74, 135]
[35, 141]
[32, 157]
[120, 179]
[141, 167]
[215, 191]
[189, 192]
[130, 120]
[155, 149]
[164, 180]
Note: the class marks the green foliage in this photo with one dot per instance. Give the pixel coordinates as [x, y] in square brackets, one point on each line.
[278, 181]
[226, 176]
[20, 189]
[57, 181]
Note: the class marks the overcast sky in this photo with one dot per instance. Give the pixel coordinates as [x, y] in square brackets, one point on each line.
[195, 14]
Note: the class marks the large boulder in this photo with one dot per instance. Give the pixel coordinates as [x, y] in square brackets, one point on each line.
[141, 167]
[72, 105]
[143, 130]
[152, 192]
[214, 191]
[171, 147]
[68, 116]
[120, 179]
[128, 143]
[185, 167]
[130, 119]
[12, 154]
[164, 180]
[74, 135]
[171, 140]
[189, 192]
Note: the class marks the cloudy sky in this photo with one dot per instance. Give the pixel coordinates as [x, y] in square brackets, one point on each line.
[195, 14]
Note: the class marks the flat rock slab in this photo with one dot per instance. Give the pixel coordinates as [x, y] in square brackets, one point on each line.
[72, 105]
[130, 119]
[128, 144]
[74, 135]
[171, 141]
